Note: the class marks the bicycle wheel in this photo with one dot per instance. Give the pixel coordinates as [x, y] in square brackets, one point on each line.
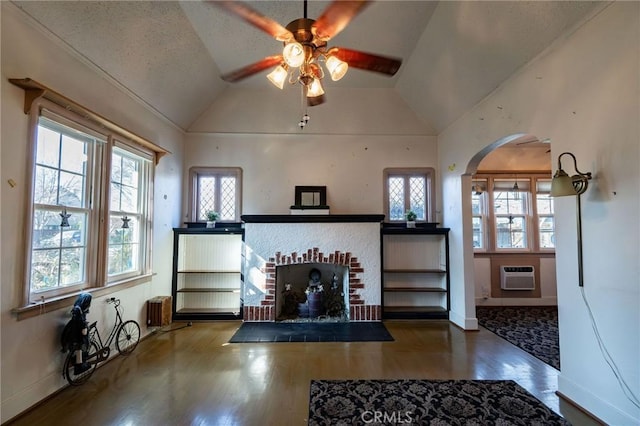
[128, 337]
[69, 371]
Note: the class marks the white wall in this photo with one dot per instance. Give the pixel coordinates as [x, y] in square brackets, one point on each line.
[583, 92]
[546, 276]
[350, 166]
[30, 349]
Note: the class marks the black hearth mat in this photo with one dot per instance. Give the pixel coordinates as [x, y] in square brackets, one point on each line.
[254, 332]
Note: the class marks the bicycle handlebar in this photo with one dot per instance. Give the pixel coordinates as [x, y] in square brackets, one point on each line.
[114, 300]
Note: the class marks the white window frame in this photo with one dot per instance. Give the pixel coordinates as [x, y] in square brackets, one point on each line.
[536, 188]
[528, 181]
[428, 174]
[96, 230]
[195, 173]
[480, 186]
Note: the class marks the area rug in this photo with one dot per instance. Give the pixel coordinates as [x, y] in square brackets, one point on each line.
[426, 402]
[533, 329]
[253, 332]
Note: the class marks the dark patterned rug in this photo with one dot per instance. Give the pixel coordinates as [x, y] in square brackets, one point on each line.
[426, 402]
[533, 329]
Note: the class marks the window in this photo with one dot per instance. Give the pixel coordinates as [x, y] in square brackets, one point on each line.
[512, 214]
[409, 189]
[478, 211]
[127, 207]
[544, 211]
[69, 250]
[217, 189]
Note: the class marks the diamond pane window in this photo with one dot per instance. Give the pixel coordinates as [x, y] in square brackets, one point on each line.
[408, 189]
[216, 189]
[417, 191]
[207, 199]
[396, 198]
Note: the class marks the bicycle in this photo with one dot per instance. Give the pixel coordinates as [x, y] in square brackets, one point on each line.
[126, 335]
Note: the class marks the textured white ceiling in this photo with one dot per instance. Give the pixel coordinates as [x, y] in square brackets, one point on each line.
[171, 54]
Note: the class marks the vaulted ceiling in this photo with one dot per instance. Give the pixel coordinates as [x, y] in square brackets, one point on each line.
[170, 54]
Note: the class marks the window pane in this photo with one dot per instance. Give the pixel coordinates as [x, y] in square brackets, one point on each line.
[509, 202]
[46, 186]
[227, 198]
[126, 213]
[206, 195]
[74, 156]
[44, 269]
[417, 194]
[48, 150]
[396, 198]
[546, 226]
[71, 190]
[544, 204]
[58, 254]
[478, 233]
[476, 204]
[511, 232]
[124, 244]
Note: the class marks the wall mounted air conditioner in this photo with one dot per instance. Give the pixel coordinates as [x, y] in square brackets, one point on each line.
[517, 278]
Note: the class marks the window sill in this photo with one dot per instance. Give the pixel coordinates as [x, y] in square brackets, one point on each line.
[59, 302]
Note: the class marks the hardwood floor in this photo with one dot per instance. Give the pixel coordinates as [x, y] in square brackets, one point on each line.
[192, 376]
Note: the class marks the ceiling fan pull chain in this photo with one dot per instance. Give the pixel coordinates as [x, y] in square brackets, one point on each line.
[303, 112]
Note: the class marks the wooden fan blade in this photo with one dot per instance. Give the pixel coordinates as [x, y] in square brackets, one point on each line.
[255, 18]
[336, 17]
[249, 70]
[367, 61]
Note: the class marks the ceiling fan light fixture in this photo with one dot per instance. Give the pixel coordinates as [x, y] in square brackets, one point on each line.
[337, 68]
[278, 76]
[293, 54]
[315, 89]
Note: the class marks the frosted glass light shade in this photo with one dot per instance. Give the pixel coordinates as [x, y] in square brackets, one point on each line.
[562, 185]
[337, 68]
[278, 76]
[315, 89]
[293, 54]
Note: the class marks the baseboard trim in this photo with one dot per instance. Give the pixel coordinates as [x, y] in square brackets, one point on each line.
[584, 417]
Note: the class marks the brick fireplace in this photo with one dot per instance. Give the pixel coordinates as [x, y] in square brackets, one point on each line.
[351, 241]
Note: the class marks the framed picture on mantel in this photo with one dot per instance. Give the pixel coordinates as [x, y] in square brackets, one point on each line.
[311, 197]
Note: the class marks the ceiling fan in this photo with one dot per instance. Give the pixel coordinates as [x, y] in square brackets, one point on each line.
[305, 48]
[545, 141]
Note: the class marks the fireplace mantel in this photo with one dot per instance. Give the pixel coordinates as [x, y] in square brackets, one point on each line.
[328, 218]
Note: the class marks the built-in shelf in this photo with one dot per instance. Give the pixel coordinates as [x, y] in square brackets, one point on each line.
[415, 272]
[415, 290]
[207, 277]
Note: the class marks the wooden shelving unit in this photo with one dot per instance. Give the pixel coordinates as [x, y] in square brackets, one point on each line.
[207, 276]
[415, 272]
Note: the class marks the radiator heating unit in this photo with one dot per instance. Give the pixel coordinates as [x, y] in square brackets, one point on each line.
[517, 278]
[159, 311]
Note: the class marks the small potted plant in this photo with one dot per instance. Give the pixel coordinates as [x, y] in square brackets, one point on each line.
[211, 218]
[411, 218]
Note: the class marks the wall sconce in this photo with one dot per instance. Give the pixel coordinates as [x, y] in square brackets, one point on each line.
[563, 185]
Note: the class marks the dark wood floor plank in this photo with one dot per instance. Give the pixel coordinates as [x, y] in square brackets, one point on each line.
[193, 376]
